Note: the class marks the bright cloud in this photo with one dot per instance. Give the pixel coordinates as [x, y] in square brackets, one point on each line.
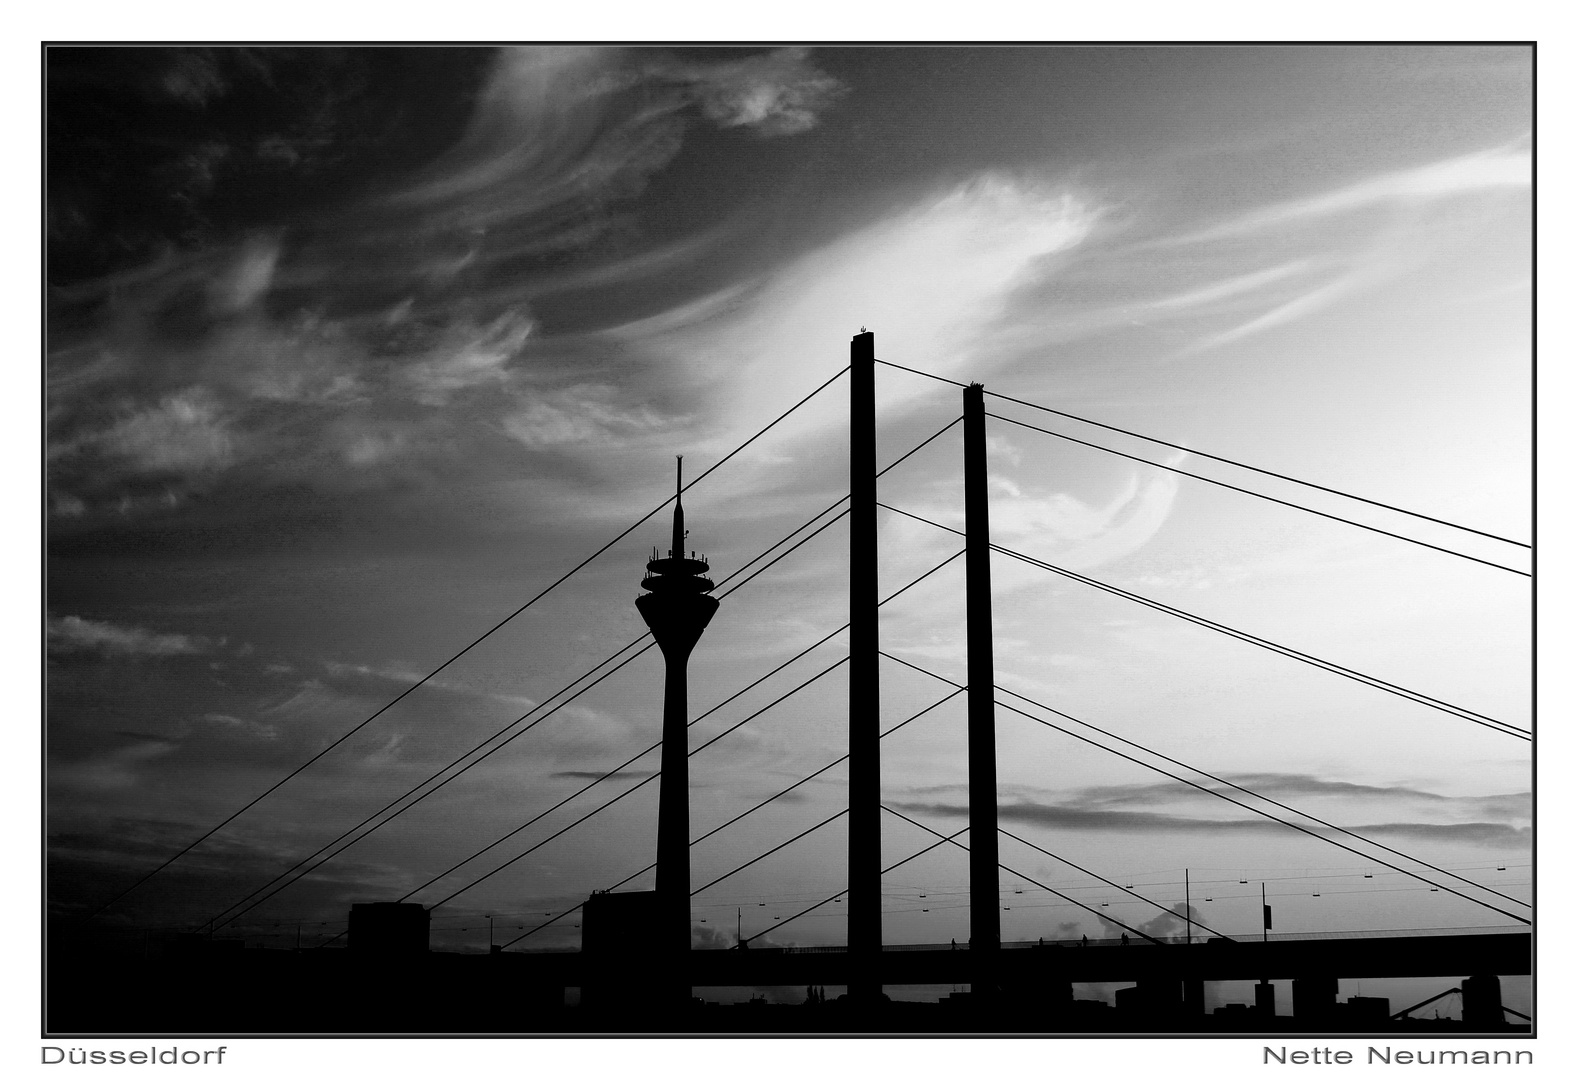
[931, 280]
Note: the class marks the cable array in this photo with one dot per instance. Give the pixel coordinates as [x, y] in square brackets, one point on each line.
[467, 648]
[1459, 711]
[550, 712]
[726, 731]
[1237, 787]
[770, 799]
[1262, 495]
[1212, 457]
[278, 879]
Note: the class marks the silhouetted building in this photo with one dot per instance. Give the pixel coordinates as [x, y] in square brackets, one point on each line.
[618, 925]
[1365, 1013]
[1314, 998]
[1482, 1003]
[1151, 1001]
[622, 957]
[388, 929]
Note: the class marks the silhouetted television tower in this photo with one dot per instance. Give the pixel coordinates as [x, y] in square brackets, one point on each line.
[677, 609]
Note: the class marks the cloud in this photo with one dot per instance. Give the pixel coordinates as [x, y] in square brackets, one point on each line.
[379, 333]
[75, 634]
[193, 78]
[585, 774]
[933, 279]
[250, 275]
[558, 124]
[481, 361]
[1229, 288]
[1157, 808]
[777, 93]
[184, 432]
[578, 416]
[1066, 530]
[1174, 923]
[1488, 170]
[1127, 821]
[1300, 306]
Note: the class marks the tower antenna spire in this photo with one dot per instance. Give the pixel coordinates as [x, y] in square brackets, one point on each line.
[677, 546]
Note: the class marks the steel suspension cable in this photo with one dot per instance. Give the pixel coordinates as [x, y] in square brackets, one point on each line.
[598, 809]
[1216, 457]
[1098, 877]
[819, 903]
[1238, 787]
[1272, 817]
[772, 850]
[746, 813]
[655, 775]
[1033, 881]
[1266, 798]
[1327, 665]
[479, 746]
[462, 652]
[534, 723]
[1259, 495]
[812, 776]
[1335, 668]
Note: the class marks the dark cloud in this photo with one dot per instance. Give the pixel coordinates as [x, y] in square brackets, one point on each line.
[1135, 821]
[587, 774]
[289, 279]
[1291, 788]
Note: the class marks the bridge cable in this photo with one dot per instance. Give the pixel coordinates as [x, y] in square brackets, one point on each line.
[1215, 457]
[1281, 821]
[1108, 881]
[1247, 791]
[604, 806]
[593, 783]
[1416, 696]
[746, 813]
[819, 903]
[1462, 713]
[692, 753]
[1259, 495]
[534, 723]
[772, 850]
[1033, 881]
[474, 643]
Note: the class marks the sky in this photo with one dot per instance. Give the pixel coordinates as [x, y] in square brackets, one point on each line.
[351, 352]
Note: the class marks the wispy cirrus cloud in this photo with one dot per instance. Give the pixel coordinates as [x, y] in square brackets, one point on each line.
[378, 344]
[1505, 167]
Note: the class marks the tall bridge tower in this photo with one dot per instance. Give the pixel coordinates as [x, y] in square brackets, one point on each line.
[677, 609]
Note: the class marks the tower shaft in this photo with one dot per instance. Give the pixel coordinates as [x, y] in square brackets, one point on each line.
[985, 919]
[865, 770]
